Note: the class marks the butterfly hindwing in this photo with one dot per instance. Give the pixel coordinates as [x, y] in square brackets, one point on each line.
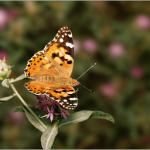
[64, 94]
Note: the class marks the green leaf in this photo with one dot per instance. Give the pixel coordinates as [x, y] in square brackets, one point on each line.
[48, 136]
[84, 115]
[76, 117]
[32, 119]
[102, 115]
[5, 83]
[7, 98]
[18, 78]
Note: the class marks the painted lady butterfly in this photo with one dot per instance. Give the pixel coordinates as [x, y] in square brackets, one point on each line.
[52, 68]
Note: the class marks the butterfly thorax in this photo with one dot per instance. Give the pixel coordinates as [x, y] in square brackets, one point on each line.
[58, 80]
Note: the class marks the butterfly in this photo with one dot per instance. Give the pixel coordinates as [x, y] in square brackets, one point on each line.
[51, 70]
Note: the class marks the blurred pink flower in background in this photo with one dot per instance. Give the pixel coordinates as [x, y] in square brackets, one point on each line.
[116, 49]
[109, 90]
[77, 45]
[6, 15]
[16, 117]
[137, 72]
[3, 18]
[90, 45]
[12, 14]
[143, 22]
[2, 54]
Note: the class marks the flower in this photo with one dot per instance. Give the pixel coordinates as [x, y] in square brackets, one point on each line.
[116, 49]
[142, 21]
[109, 90]
[49, 106]
[3, 18]
[5, 70]
[137, 72]
[89, 45]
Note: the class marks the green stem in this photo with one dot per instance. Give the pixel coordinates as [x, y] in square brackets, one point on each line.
[24, 103]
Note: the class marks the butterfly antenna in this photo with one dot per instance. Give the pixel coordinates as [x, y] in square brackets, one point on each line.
[86, 71]
[87, 88]
[83, 74]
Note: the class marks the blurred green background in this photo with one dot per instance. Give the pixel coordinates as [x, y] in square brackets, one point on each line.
[115, 35]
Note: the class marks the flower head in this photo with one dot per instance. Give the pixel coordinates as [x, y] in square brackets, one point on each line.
[89, 45]
[3, 18]
[137, 72]
[143, 22]
[5, 70]
[109, 90]
[116, 50]
[49, 106]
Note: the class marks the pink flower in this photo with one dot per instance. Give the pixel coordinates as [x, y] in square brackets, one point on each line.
[116, 49]
[17, 117]
[3, 18]
[12, 14]
[47, 104]
[109, 90]
[90, 45]
[137, 72]
[76, 45]
[143, 22]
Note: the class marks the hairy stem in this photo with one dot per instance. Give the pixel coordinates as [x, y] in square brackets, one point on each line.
[24, 103]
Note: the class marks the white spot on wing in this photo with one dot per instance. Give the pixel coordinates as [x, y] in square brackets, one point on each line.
[69, 45]
[65, 100]
[75, 104]
[61, 40]
[62, 35]
[73, 99]
[70, 35]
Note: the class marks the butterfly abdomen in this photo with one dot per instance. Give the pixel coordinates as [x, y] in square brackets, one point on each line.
[46, 79]
[55, 80]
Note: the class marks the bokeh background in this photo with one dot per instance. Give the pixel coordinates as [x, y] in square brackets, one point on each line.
[115, 35]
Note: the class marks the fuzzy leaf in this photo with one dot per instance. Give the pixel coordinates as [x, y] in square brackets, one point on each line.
[76, 117]
[48, 136]
[31, 118]
[5, 83]
[99, 114]
[84, 115]
[7, 98]
[18, 78]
